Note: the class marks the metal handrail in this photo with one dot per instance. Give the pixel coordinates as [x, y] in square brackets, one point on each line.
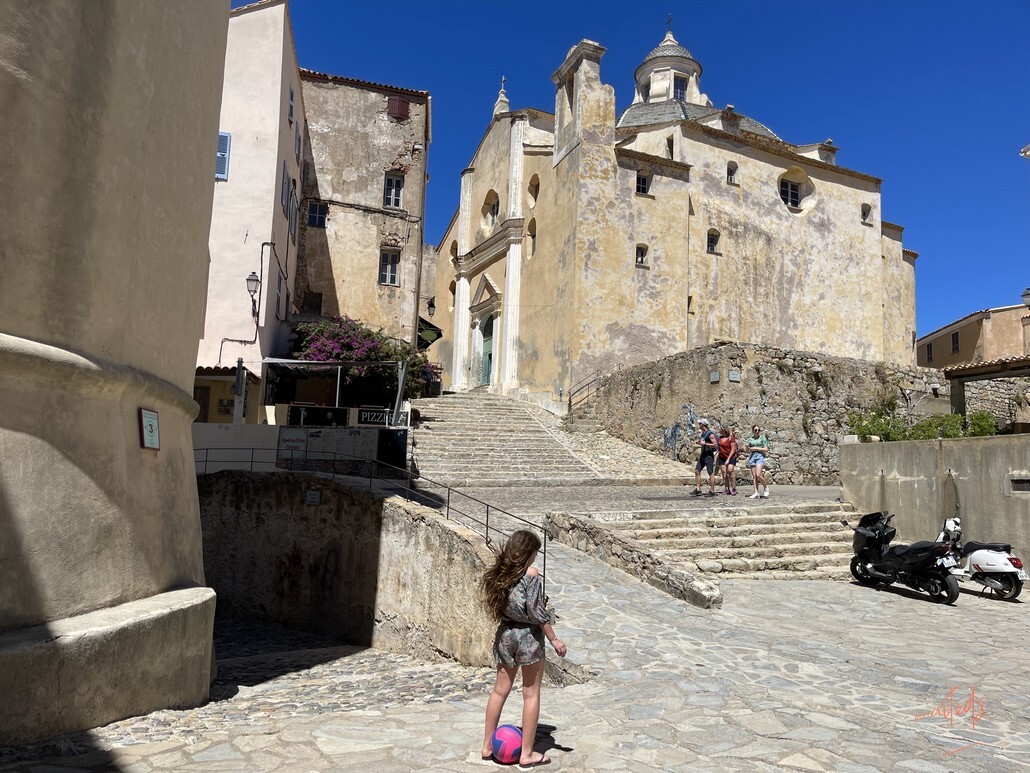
[588, 385]
[334, 459]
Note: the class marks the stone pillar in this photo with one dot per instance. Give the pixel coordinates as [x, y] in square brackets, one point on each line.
[509, 375]
[1026, 335]
[518, 131]
[459, 364]
[464, 209]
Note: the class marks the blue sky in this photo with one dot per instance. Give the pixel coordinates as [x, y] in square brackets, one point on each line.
[930, 95]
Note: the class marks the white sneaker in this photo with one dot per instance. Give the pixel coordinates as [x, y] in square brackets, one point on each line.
[754, 496]
[766, 494]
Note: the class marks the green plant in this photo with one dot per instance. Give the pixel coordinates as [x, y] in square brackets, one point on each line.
[933, 427]
[980, 424]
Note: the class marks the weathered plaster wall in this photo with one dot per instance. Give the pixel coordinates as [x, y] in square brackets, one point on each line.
[260, 68]
[926, 481]
[800, 399]
[354, 144]
[371, 570]
[109, 138]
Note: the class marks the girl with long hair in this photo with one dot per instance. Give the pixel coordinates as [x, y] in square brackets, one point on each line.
[514, 596]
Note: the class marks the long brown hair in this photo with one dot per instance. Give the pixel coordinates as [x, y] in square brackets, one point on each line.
[511, 564]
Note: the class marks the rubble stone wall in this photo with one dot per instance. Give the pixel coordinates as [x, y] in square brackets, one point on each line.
[800, 400]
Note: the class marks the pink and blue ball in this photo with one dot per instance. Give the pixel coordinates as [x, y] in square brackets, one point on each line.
[507, 743]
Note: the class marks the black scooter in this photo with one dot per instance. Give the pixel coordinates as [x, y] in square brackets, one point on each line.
[923, 566]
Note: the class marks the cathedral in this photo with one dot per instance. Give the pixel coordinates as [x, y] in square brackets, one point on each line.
[585, 241]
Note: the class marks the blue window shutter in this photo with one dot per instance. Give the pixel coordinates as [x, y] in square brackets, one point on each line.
[222, 158]
[284, 196]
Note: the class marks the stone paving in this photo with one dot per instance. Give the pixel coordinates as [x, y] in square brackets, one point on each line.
[805, 675]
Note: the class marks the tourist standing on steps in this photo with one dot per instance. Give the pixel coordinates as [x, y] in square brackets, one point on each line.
[760, 451]
[728, 460]
[709, 447]
[513, 593]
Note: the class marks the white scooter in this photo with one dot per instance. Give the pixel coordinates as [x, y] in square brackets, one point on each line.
[989, 563]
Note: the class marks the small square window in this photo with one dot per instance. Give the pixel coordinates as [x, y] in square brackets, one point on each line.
[318, 212]
[790, 192]
[392, 190]
[388, 262]
[643, 183]
[954, 342]
[398, 107]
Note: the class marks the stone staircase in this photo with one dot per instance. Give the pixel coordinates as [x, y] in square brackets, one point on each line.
[477, 439]
[582, 419]
[759, 540]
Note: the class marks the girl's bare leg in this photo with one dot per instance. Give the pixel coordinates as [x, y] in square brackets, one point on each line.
[532, 676]
[502, 688]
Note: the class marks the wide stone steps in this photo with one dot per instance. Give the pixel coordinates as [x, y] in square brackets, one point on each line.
[688, 531]
[701, 542]
[781, 550]
[486, 440]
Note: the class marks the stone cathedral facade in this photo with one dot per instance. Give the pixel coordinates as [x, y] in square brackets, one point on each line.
[587, 240]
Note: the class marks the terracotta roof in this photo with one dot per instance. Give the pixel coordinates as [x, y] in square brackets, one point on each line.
[1004, 367]
[324, 76]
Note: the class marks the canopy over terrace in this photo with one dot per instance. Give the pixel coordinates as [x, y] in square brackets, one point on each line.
[338, 366]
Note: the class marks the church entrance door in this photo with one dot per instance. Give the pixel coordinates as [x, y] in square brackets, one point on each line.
[488, 348]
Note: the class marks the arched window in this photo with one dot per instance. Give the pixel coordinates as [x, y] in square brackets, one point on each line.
[531, 236]
[731, 173]
[450, 295]
[534, 190]
[867, 213]
[713, 241]
[796, 190]
[491, 210]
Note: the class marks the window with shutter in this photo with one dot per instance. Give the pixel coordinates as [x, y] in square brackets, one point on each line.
[397, 107]
[297, 143]
[284, 194]
[222, 157]
[289, 117]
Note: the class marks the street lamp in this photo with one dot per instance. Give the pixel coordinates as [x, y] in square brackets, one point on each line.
[253, 285]
[431, 306]
[1026, 297]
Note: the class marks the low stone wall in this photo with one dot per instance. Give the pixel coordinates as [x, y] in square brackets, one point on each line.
[315, 554]
[984, 480]
[800, 399]
[593, 539]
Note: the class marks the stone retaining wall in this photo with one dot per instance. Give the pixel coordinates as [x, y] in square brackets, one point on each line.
[369, 569]
[800, 399]
[1007, 399]
[593, 539]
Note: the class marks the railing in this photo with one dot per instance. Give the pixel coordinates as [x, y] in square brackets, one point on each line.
[583, 391]
[401, 481]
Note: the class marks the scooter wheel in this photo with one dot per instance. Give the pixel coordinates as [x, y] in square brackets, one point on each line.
[1011, 587]
[859, 573]
[943, 588]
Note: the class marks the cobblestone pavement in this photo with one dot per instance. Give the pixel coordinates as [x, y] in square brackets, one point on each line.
[806, 675]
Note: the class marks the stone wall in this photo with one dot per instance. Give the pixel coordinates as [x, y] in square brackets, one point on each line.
[800, 399]
[630, 556]
[1007, 399]
[371, 570]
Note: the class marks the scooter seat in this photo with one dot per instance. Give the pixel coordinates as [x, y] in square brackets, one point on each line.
[972, 547]
[900, 550]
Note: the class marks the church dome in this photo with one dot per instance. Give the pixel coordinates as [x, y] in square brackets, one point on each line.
[669, 47]
[669, 52]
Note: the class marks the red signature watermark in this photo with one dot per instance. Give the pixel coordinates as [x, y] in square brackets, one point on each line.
[958, 704]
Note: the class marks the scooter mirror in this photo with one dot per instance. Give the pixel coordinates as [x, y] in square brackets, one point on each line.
[844, 522]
